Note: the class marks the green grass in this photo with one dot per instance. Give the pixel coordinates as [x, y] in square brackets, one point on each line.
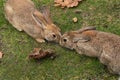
[15, 65]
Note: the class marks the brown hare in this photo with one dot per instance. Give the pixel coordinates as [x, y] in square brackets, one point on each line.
[90, 42]
[23, 15]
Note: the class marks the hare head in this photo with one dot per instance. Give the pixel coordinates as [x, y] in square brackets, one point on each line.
[69, 39]
[50, 31]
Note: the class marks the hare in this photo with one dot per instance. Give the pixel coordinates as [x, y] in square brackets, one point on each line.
[93, 43]
[23, 15]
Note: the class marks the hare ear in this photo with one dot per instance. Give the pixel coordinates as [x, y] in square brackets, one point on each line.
[86, 29]
[46, 13]
[39, 19]
[81, 38]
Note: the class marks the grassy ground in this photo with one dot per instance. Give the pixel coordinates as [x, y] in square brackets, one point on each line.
[104, 14]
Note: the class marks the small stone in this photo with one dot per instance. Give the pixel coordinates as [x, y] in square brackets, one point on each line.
[75, 19]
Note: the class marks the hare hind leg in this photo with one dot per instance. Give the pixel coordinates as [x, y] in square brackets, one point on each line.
[105, 59]
[9, 14]
[16, 24]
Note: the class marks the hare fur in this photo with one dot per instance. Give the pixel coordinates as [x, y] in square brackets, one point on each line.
[93, 43]
[23, 15]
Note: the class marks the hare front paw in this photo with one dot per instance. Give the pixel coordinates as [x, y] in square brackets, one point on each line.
[40, 40]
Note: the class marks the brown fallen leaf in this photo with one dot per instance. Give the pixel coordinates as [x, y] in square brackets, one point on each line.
[38, 53]
[1, 55]
[66, 3]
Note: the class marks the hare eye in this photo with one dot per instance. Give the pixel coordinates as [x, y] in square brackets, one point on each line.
[65, 40]
[54, 35]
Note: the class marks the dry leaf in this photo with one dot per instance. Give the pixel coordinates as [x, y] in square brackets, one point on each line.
[75, 19]
[38, 53]
[66, 3]
[1, 55]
